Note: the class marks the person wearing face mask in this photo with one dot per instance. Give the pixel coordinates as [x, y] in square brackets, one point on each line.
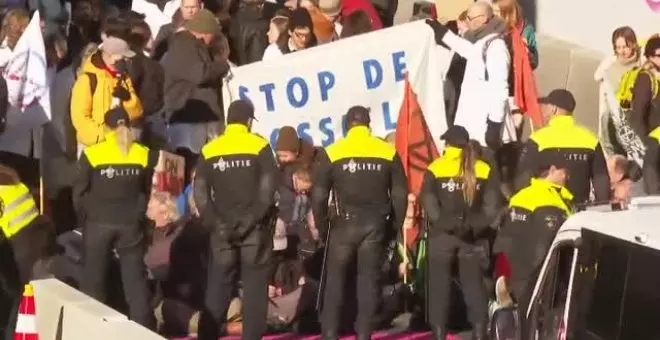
[234, 189]
[299, 35]
[102, 85]
[535, 214]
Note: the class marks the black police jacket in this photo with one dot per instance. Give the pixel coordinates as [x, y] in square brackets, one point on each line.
[111, 187]
[535, 215]
[442, 197]
[366, 176]
[236, 178]
[574, 146]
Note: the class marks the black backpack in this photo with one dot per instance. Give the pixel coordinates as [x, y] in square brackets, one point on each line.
[71, 142]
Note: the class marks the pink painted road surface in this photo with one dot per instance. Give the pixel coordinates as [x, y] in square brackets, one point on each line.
[378, 336]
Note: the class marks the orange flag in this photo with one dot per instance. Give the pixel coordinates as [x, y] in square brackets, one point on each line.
[525, 93]
[415, 147]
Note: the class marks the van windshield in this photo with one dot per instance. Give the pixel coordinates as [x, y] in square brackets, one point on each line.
[620, 289]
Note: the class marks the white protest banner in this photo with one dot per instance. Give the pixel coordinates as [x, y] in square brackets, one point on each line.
[312, 89]
[27, 84]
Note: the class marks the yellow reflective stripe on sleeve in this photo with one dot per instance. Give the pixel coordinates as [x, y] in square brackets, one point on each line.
[19, 209]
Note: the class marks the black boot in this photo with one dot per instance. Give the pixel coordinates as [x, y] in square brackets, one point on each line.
[439, 333]
[480, 332]
[329, 335]
[363, 336]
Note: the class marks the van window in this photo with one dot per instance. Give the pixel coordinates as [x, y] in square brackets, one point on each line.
[621, 293]
[610, 261]
[548, 306]
[641, 300]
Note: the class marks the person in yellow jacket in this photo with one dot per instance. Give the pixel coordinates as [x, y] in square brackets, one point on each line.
[25, 238]
[102, 85]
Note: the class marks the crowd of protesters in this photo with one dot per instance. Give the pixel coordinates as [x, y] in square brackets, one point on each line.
[114, 81]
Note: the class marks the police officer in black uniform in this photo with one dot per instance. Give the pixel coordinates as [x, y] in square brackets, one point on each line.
[534, 217]
[234, 190]
[110, 193]
[367, 179]
[461, 197]
[577, 147]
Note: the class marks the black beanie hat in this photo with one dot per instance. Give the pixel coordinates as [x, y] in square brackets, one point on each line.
[300, 18]
[288, 140]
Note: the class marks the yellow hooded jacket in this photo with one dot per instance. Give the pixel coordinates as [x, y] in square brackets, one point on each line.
[88, 109]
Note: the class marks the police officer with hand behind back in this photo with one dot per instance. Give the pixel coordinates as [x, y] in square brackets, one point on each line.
[535, 215]
[576, 146]
[234, 190]
[368, 180]
[461, 196]
[110, 193]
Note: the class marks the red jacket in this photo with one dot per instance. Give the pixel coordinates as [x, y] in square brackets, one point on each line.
[350, 6]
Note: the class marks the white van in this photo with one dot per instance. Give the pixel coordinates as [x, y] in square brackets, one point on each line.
[601, 277]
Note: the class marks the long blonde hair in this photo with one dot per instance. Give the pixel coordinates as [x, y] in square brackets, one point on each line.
[469, 157]
[124, 137]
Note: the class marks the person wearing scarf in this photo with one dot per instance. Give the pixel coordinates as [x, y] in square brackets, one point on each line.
[483, 103]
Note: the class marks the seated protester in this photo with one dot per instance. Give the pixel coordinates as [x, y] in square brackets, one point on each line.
[535, 214]
[176, 258]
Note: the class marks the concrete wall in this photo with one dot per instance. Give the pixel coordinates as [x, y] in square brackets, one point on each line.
[564, 65]
[64, 313]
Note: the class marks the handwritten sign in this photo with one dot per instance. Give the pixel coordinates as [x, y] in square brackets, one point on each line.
[169, 174]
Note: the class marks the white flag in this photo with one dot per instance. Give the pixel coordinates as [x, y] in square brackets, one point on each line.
[27, 83]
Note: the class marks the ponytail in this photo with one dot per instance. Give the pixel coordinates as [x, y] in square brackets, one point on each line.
[124, 138]
[469, 157]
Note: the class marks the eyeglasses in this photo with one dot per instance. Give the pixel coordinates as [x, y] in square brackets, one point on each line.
[302, 35]
[474, 17]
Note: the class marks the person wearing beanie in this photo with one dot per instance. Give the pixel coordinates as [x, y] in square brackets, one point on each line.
[461, 196]
[110, 197]
[534, 216]
[299, 35]
[290, 148]
[247, 33]
[369, 186]
[234, 189]
[644, 106]
[193, 76]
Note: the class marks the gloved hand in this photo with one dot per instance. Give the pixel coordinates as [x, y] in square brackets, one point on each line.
[121, 93]
[439, 30]
[122, 67]
[493, 135]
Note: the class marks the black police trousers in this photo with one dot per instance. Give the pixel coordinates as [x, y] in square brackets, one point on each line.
[100, 239]
[363, 237]
[443, 250]
[250, 256]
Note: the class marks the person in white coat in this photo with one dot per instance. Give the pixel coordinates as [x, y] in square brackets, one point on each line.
[483, 103]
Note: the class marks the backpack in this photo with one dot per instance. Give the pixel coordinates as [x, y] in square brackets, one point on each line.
[484, 51]
[624, 94]
[71, 142]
